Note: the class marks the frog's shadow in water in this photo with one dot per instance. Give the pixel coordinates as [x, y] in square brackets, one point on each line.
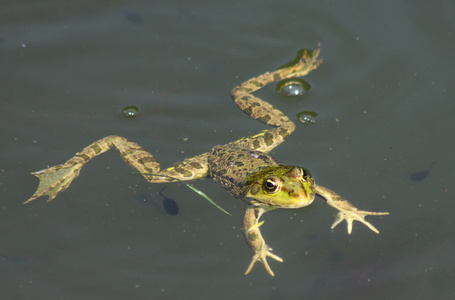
[168, 204]
[421, 175]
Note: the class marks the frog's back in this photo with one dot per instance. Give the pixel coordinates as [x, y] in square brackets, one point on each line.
[230, 165]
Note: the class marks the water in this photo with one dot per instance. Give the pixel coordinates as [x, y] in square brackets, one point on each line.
[384, 98]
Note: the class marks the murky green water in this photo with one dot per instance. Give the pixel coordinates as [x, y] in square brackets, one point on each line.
[384, 99]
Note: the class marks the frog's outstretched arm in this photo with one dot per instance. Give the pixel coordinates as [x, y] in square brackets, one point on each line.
[58, 178]
[260, 249]
[346, 210]
[255, 241]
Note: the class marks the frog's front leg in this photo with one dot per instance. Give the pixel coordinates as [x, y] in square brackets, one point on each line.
[346, 210]
[253, 237]
[58, 178]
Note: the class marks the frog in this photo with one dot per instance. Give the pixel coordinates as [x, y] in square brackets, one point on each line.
[243, 167]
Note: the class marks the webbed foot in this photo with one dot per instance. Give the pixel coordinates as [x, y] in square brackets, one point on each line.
[262, 257]
[55, 180]
[356, 215]
[305, 62]
[347, 211]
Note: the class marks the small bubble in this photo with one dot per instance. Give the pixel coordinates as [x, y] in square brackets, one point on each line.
[293, 87]
[307, 117]
[130, 111]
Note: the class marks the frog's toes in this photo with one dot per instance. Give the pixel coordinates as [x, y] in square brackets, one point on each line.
[262, 257]
[54, 180]
[357, 215]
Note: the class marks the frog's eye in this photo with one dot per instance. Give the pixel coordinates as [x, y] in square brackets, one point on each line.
[299, 173]
[306, 174]
[272, 184]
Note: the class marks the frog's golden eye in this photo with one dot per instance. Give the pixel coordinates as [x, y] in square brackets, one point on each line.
[299, 173]
[272, 184]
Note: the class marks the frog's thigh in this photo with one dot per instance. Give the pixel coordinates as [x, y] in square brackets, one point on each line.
[188, 169]
[146, 164]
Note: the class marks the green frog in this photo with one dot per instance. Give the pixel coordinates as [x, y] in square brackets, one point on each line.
[243, 167]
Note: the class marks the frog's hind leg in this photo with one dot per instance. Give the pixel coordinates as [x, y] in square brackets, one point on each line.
[58, 178]
[267, 113]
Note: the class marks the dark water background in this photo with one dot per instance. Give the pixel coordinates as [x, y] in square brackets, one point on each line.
[384, 96]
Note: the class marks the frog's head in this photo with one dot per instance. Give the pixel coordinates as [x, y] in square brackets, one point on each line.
[280, 187]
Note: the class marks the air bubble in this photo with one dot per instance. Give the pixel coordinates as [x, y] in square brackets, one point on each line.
[293, 87]
[307, 117]
[130, 111]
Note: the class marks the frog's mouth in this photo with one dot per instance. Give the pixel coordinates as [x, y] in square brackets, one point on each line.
[301, 198]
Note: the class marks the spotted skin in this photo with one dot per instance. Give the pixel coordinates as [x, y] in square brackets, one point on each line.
[243, 167]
